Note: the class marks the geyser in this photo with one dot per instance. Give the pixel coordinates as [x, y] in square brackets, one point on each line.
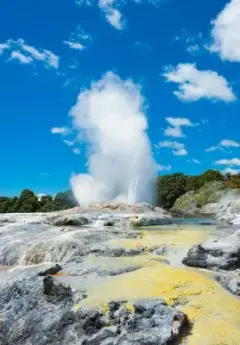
[110, 118]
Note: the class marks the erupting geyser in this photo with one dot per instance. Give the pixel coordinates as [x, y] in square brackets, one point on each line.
[110, 117]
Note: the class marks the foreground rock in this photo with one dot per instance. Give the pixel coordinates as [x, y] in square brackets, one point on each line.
[232, 284]
[223, 253]
[41, 312]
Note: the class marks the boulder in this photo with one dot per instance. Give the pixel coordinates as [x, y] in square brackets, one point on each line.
[232, 284]
[52, 270]
[67, 220]
[151, 219]
[223, 253]
[151, 322]
[56, 291]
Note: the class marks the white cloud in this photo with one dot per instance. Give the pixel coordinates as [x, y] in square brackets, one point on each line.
[114, 17]
[193, 48]
[112, 14]
[28, 54]
[193, 42]
[83, 2]
[231, 171]
[229, 143]
[178, 149]
[61, 130]
[112, 9]
[45, 174]
[213, 148]
[195, 84]
[164, 167]
[176, 123]
[175, 132]
[230, 162]
[225, 143]
[69, 142]
[196, 161]
[20, 57]
[179, 121]
[74, 45]
[76, 151]
[182, 152]
[78, 39]
[3, 46]
[226, 32]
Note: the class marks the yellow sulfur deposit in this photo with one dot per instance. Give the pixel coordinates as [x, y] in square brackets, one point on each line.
[177, 237]
[215, 314]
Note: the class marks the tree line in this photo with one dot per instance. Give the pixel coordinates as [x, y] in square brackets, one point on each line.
[168, 189]
[171, 187]
[29, 202]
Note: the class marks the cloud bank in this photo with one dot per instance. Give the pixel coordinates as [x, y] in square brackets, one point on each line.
[110, 116]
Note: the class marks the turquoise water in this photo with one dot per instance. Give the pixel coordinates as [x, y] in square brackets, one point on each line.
[198, 221]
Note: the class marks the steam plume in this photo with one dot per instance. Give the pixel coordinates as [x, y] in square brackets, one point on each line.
[110, 116]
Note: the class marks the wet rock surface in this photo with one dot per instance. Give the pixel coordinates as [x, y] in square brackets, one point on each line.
[223, 253]
[36, 311]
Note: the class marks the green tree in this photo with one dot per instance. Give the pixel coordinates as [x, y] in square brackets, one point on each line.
[192, 183]
[5, 203]
[65, 200]
[27, 202]
[169, 188]
[209, 176]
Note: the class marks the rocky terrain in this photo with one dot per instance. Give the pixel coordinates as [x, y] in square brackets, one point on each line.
[36, 308]
[108, 276]
[221, 255]
[36, 314]
[213, 200]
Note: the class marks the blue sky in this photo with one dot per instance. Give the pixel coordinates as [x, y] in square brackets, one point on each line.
[188, 72]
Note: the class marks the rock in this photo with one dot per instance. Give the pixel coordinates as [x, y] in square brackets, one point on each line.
[228, 209]
[162, 261]
[223, 253]
[151, 323]
[163, 250]
[67, 220]
[210, 208]
[232, 284]
[32, 315]
[151, 220]
[57, 291]
[117, 206]
[52, 270]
